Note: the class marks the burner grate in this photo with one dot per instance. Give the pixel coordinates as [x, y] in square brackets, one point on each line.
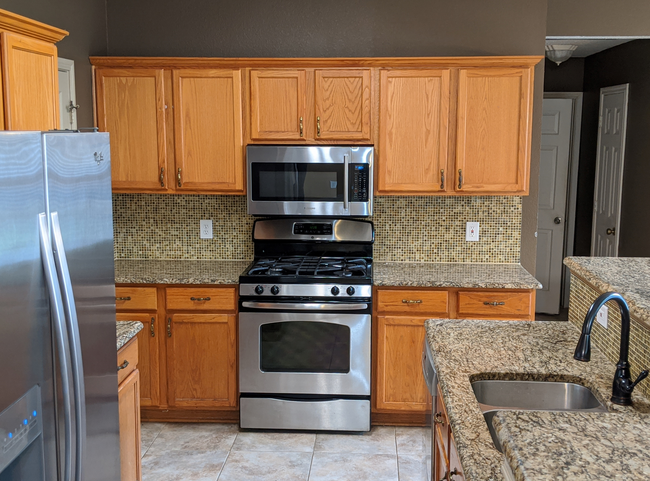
[310, 266]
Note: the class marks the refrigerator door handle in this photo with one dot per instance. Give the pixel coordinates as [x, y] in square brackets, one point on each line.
[61, 338]
[74, 343]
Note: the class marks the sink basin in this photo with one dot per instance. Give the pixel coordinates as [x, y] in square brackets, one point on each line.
[496, 395]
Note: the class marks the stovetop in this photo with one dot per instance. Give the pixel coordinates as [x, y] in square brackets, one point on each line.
[298, 269]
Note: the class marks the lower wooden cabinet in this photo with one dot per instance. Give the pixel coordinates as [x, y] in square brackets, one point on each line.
[188, 350]
[446, 464]
[129, 411]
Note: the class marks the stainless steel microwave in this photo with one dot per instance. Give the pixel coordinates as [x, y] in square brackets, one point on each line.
[310, 180]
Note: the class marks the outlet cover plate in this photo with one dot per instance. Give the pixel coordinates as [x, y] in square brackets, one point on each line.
[471, 232]
[601, 317]
[206, 229]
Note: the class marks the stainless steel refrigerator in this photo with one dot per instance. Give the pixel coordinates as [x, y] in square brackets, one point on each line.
[58, 380]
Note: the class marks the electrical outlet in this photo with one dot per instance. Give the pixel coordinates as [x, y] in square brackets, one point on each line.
[471, 232]
[206, 229]
[601, 317]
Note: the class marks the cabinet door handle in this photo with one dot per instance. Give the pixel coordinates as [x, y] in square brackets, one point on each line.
[494, 303]
[169, 327]
[199, 299]
[123, 298]
[460, 178]
[318, 126]
[301, 126]
[180, 184]
[437, 418]
[152, 328]
[442, 179]
[123, 365]
[450, 474]
[407, 301]
[162, 177]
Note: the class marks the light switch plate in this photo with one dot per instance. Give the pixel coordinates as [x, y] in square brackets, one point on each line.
[601, 317]
[206, 229]
[471, 232]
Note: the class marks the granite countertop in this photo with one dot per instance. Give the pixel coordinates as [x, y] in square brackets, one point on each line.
[465, 350]
[150, 271]
[483, 275]
[126, 330]
[629, 276]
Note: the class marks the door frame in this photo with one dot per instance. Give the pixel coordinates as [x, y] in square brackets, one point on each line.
[625, 89]
[572, 184]
[66, 65]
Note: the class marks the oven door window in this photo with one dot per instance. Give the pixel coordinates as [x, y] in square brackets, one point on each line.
[305, 347]
[297, 182]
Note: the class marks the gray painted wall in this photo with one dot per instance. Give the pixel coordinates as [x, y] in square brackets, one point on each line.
[598, 18]
[86, 22]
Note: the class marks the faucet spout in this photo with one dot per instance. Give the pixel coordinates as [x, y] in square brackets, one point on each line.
[623, 386]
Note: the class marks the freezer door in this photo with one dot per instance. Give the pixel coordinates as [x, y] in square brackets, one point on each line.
[79, 193]
[25, 334]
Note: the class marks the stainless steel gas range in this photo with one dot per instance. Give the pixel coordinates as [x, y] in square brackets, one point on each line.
[305, 310]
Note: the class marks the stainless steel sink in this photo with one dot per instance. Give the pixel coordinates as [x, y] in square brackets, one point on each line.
[496, 395]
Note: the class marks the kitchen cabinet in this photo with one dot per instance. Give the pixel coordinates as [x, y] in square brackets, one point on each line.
[172, 130]
[413, 131]
[446, 464]
[189, 362]
[400, 394]
[129, 411]
[29, 78]
[310, 104]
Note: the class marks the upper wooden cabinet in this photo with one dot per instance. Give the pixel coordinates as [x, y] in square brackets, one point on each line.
[131, 107]
[413, 131]
[310, 105]
[172, 130]
[29, 77]
[208, 131]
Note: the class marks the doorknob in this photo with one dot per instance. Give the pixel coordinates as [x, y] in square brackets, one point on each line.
[558, 220]
[611, 231]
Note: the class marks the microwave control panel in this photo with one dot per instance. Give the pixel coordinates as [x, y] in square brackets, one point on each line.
[359, 181]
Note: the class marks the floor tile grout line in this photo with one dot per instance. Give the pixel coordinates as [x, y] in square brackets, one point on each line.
[153, 441]
[222, 466]
[311, 464]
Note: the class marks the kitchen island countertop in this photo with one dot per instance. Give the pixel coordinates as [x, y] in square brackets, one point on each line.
[464, 351]
[127, 330]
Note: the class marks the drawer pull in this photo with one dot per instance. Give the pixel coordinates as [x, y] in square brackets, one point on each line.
[199, 299]
[408, 301]
[494, 303]
[152, 328]
[169, 327]
[450, 474]
[123, 365]
[437, 418]
[123, 298]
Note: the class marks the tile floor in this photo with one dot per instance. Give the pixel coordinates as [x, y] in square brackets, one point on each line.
[210, 452]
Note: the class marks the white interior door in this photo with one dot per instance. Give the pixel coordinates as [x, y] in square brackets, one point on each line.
[67, 96]
[609, 171]
[553, 179]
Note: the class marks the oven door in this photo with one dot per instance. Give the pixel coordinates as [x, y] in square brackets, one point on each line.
[315, 180]
[313, 353]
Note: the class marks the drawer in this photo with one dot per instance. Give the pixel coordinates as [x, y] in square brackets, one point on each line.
[200, 299]
[413, 301]
[127, 360]
[136, 299]
[495, 304]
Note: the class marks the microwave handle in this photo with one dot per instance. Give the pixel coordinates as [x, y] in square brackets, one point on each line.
[346, 180]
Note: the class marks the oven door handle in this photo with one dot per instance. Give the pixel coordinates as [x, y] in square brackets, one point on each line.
[305, 306]
[346, 182]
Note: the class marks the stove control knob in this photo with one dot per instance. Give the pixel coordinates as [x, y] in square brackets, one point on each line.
[350, 291]
[335, 291]
[275, 290]
[259, 290]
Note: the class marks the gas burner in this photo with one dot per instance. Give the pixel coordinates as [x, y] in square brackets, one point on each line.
[310, 266]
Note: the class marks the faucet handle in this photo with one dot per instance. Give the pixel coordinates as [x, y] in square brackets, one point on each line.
[641, 377]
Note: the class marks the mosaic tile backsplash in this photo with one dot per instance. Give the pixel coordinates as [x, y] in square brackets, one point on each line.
[608, 340]
[408, 229]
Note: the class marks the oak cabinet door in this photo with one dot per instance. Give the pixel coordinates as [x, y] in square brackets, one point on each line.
[131, 107]
[202, 363]
[129, 412]
[494, 129]
[31, 91]
[400, 382]
[208, 130]
[413, 131]
[148, 355]
[342, 104]
[277, 104]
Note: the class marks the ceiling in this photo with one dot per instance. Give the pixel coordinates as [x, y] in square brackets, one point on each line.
[589, 46]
